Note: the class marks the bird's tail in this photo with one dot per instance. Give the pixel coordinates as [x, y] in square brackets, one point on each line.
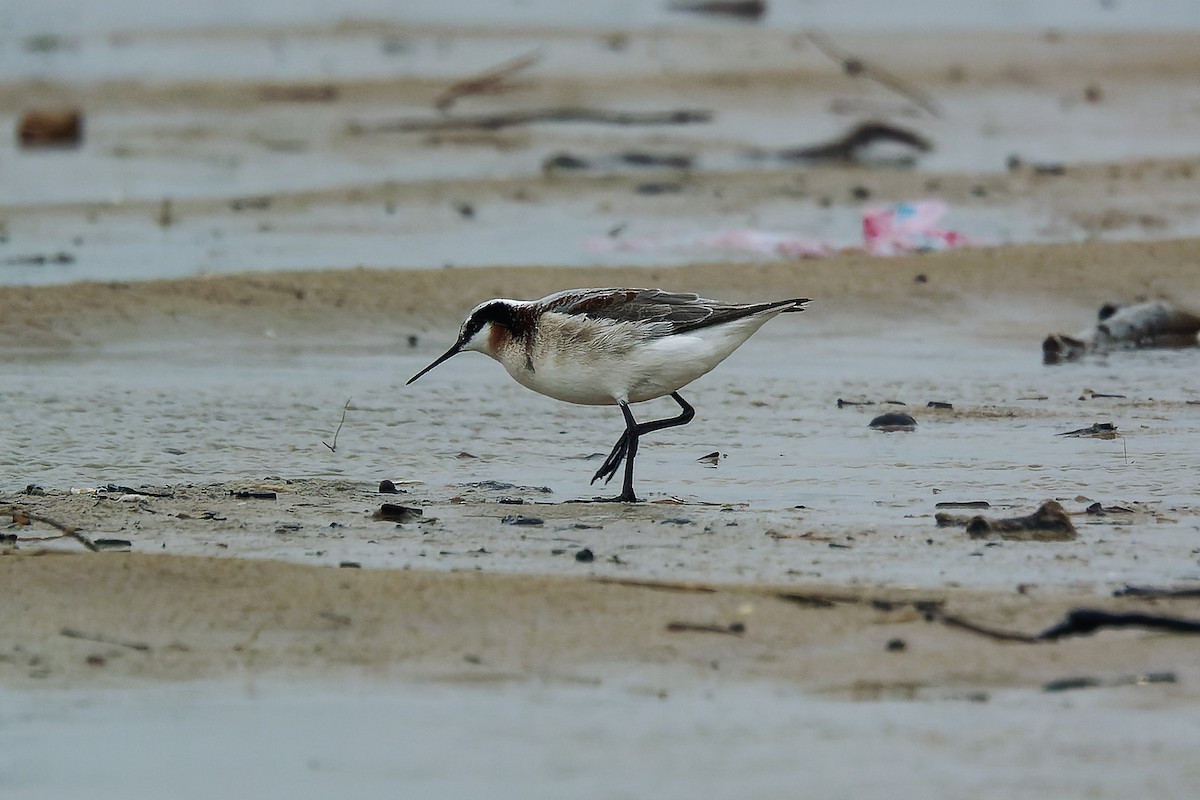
[797, 304]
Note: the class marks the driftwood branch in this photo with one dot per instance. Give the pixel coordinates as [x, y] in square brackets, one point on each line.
[24, 516]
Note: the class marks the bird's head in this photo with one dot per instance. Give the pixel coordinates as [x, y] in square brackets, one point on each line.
[487, 328]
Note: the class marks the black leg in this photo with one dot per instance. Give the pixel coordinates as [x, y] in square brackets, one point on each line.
[627, 446]
[613, 462]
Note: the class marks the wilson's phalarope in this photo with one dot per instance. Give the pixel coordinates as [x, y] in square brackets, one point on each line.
[613, 346]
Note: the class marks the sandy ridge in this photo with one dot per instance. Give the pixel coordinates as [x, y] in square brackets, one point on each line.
[402, 302]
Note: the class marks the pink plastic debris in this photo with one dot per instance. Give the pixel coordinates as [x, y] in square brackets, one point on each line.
[746, 240]
[767, 242]
[887, 231]
[907, 228]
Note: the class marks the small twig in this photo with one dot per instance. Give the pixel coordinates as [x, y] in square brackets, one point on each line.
[662, 586]
[491, 122]
[487, 82]
[333, 447]
[855, 66]
[71, 633]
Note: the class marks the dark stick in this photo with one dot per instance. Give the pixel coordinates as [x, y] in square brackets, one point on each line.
[491, 122]
[487, 82]
[71, 633]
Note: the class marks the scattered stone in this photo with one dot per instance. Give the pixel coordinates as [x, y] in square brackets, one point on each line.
[1096, 509]
[963, 504]
[585, 556]
[1050, 523]
[658, 188]
[388, 487]
[349, 565]
[50, 127]
[894, 421]
[259, 203]
[939, 404]
[896, 645]
[391, 512]
[517, 519]
[111, 544]
[319, 93]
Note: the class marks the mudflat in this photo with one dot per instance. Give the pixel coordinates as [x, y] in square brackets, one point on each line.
[785, 613]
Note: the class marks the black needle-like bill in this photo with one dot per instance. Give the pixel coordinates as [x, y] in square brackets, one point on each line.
[455, 350]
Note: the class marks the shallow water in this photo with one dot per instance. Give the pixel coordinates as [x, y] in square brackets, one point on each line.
[591, 741]
[794, 466]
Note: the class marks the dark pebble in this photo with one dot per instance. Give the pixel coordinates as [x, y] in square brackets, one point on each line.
[896, 645]
[676, 521]
[860, 193]
[396, 513]
[112, 544]
[938, 404]
[585, 556]
[564, 161]
[387, 487]
[894, 421]
[350, 565]
[637, 159]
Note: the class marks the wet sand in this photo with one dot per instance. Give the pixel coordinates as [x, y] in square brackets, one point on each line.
[372, 654]
[200, 388]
